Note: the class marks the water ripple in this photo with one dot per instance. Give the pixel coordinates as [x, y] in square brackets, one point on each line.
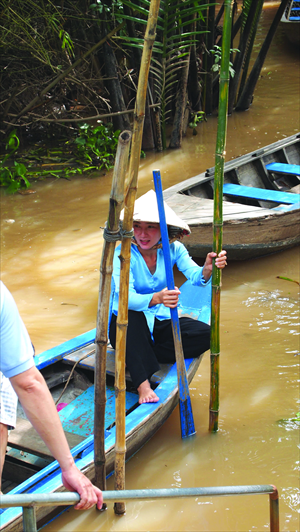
[277, 311]
[291, 496]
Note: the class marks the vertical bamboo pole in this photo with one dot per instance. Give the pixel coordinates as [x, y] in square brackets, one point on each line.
[115, 206]
[131, 188]
[218, 217]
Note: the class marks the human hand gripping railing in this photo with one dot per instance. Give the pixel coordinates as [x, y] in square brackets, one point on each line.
[29, 500]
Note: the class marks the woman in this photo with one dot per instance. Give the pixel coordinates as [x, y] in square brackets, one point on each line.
[149, 333]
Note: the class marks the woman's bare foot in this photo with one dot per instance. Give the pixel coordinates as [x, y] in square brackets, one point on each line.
[146, 394]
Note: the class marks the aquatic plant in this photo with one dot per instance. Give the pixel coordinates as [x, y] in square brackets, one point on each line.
[93, 148]
[292, 423]
[287, 279]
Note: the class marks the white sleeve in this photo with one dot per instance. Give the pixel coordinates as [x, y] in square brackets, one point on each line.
[16, 351]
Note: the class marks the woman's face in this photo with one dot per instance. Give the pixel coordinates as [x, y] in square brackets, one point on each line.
[146, 234]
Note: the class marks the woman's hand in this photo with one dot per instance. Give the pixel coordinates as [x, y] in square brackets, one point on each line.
[220, 262]
[166, 297]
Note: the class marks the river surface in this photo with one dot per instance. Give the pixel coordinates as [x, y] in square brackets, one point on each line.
[51, 245]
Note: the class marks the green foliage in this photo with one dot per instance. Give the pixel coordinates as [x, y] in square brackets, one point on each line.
[288, 279]
[96, 145]
[12, 177]
[217, 52]
[94, 148]
[176, 33]
[197, 117]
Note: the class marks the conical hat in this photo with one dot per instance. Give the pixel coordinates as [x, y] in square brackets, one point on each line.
[146, 210]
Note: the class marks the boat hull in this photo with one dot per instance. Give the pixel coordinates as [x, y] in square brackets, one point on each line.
[248, 238]
[290, 22]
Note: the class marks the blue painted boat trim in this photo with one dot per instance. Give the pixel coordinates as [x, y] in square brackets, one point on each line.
[56, 353]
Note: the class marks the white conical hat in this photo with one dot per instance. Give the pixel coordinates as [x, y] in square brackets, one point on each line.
[146, 210]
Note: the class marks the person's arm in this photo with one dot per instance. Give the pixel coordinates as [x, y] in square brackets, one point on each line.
[3, 445]
[196, 274]
[40, 409]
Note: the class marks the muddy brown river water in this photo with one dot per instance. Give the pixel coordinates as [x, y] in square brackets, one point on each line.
[51, 245]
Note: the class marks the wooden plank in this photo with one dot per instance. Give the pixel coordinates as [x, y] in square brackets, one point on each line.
[284, 168]
[263, 194]
[16, 474]
[198, 211]
[78, 416]
[89, 363]
[25, 438]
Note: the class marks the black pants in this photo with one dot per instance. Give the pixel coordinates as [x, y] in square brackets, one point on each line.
[143, 355]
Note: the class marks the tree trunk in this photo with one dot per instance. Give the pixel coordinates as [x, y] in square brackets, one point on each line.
[245, 99]
[249, 49]
[209, 61]
[239, 59]
[114, 88]
[148, 142]
[181, 100]
[194, 87]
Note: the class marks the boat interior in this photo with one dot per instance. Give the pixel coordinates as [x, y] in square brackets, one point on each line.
[71, 381]
[277, 171]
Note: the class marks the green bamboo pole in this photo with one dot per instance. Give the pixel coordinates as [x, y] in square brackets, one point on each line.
[218, 218]
[112, 230]
[130, 195]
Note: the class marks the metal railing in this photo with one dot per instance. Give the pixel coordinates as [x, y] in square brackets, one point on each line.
[29, 500]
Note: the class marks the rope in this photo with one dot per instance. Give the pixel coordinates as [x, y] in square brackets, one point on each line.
[70, 376]
[114, 236]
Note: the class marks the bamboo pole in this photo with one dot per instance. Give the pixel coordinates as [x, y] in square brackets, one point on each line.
[218, 218]
[130, 195]
[112, 229]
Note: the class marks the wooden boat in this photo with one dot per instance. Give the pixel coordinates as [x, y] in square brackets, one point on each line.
[260, 203]
[290, 21]
[28, 461]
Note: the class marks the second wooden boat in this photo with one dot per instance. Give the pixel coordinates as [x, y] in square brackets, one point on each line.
[261, 205]
[290, 21]
[29, 467]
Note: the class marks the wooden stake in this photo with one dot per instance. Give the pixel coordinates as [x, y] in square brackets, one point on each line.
[115, 206]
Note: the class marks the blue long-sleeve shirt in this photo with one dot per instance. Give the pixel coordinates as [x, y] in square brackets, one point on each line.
[143, 284]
